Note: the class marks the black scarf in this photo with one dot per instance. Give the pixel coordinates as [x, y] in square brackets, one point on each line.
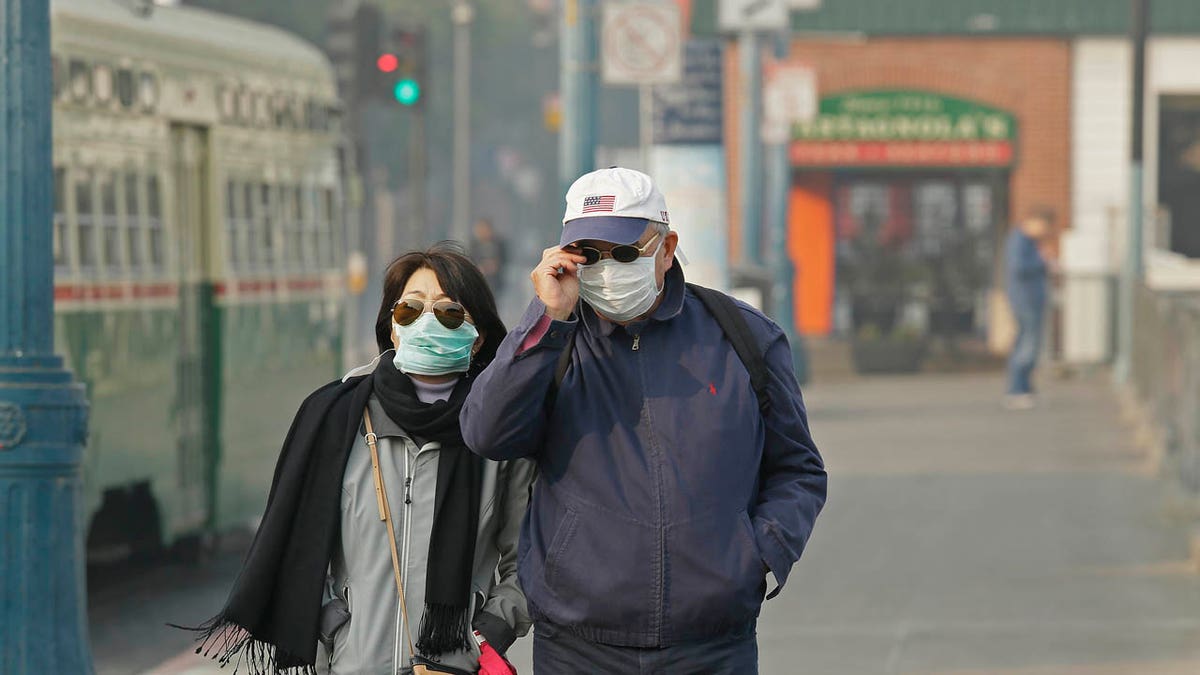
[270, 621]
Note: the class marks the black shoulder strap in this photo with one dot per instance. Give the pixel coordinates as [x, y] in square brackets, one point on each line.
[729, 317]
[733, 324]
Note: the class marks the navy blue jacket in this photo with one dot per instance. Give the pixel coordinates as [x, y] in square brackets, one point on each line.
[664, 496]
[1026, 272]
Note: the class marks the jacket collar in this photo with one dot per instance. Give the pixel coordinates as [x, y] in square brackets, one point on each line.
[669, 308]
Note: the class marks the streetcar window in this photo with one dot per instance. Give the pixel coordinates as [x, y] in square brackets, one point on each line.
[133, 220]
[85, 227]
[297, 229]
[232, 222]
[126, 88]
[81, 79]
[328, 226]
[267, 222]
[154, 222]
[58, 76]
[102, 83]
[60, 218]
[251, 226]
[110, 223]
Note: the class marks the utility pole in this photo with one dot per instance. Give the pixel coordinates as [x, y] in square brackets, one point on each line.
[1133, 273]
[779, 180]
[43, 411]
[750, 164]
[463, 16]
[578, 81]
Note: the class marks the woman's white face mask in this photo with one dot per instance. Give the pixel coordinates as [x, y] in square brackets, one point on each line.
[620, 291]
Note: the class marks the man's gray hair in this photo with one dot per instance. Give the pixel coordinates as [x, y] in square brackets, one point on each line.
[661, 228]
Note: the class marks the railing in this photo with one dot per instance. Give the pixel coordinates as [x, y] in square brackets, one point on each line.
[1165, 374]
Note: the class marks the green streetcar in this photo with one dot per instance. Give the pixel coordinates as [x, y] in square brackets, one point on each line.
[199, 236]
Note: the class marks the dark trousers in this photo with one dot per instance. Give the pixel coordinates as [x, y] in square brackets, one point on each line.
[559, 652]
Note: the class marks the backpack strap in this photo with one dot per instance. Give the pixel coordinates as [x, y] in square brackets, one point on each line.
[733, 324]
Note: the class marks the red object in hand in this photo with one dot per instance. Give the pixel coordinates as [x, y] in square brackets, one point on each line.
[490, 661]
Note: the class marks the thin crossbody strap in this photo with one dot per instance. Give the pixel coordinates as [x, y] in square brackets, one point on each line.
[385, 514]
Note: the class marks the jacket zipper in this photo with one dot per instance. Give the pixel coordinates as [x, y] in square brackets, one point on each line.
[410, 466]
[637, 339]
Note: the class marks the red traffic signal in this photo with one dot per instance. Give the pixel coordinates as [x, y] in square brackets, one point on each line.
[387, 63]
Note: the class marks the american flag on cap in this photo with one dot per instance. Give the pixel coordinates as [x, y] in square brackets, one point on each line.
[598, 203]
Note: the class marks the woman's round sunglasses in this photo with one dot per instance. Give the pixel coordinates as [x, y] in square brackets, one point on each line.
[625, 253]
[448, 313]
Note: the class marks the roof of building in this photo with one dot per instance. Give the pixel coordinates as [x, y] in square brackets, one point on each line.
[976, 17]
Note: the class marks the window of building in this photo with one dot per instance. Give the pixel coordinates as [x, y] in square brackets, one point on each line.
[312, 238]
[85, 228]
[133, 220]
[102, 83]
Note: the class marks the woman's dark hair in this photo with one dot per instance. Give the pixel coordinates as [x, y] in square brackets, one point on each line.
[460, 279]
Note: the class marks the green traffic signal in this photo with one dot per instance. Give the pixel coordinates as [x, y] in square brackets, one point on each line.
[407, 91]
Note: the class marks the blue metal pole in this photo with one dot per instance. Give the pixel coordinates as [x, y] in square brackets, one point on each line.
[42, 410]
[750, 164]
[779, 181]
[578, 81]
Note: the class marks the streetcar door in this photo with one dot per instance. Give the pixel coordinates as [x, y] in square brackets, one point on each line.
[198, 366]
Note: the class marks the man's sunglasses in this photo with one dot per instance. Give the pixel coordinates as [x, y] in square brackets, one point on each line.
[625, 253]
[448, 313]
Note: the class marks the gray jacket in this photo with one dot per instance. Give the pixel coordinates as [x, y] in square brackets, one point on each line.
[361, 577]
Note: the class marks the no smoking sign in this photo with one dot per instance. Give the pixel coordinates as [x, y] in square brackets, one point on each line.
[642, 43]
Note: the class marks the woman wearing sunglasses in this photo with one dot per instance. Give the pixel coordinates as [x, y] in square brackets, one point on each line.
[323, 566]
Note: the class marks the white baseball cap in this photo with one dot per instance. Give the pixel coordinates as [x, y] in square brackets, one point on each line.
[612, 205]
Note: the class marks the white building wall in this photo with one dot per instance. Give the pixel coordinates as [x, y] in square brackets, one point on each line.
[1101, 118]
[1100, 129]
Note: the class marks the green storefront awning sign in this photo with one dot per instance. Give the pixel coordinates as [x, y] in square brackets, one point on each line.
[903, 127]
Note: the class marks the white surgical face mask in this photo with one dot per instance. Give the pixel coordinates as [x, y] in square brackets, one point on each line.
[620, 291]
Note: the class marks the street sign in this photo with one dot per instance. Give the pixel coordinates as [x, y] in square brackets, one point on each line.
[642, 43]
[789, 96]
[691, 112]
[740, 15]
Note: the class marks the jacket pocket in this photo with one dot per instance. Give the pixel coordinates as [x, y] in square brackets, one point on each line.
[717, 576]
[602, 572]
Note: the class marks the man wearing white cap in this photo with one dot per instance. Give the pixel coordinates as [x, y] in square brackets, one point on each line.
[676, 465]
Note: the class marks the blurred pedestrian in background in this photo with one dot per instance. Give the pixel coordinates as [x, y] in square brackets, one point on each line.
[1027, 272]
[323, 565]
[490, 252]
[676, 470]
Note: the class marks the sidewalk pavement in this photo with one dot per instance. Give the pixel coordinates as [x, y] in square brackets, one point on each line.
[961, 539]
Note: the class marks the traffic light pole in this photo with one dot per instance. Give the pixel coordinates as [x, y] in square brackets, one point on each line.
[43, 413]
[578, 82]
[779, 180]
[463, 16]
[1133, 272]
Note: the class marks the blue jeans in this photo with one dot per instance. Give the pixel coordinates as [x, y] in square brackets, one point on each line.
[1029, 313]
[556, 651]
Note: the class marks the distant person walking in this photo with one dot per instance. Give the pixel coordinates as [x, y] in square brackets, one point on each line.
[490, 253]
[1027, 274]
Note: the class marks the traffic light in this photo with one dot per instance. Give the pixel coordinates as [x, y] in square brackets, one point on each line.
[406, 45]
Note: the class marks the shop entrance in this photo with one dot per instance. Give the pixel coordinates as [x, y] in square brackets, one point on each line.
[916, 251]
